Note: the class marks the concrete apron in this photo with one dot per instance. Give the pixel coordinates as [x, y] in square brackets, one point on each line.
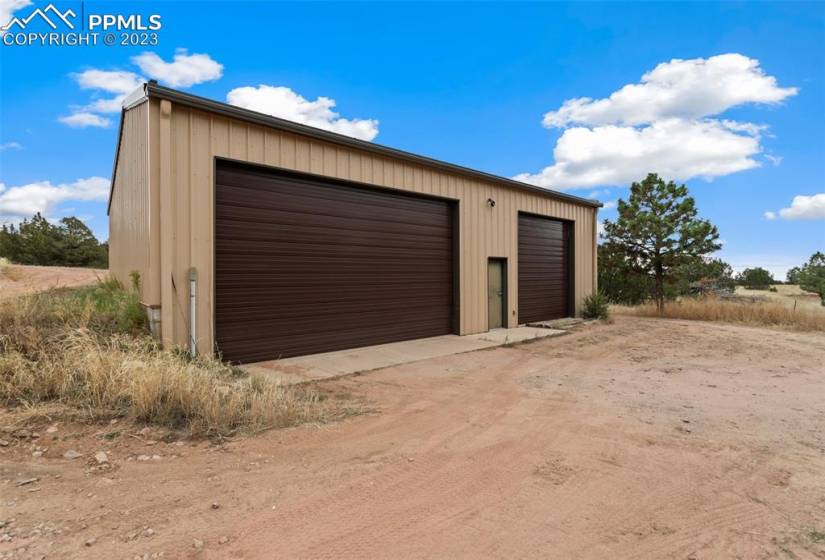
[302, 369]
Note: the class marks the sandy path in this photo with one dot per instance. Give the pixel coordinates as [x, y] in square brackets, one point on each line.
[16, 280]
[642, 439]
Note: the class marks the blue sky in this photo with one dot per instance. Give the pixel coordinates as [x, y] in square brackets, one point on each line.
[733, 103]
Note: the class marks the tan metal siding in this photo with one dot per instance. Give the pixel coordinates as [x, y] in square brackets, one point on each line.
[129, 211]
[195, 138]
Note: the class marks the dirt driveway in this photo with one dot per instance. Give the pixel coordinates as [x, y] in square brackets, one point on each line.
[17, 280]
[642, 439]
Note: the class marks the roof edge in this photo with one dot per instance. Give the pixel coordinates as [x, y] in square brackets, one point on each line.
[152, 89]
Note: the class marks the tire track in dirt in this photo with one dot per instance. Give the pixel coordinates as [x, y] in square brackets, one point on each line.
[642, 439]
[412, 498]
[471, 488]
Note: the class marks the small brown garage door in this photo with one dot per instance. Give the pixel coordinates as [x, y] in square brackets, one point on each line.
[543, 269]
[305, 265]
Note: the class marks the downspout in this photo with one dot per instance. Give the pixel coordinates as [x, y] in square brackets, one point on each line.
[193, 288]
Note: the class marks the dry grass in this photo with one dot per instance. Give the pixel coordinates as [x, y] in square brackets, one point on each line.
[12, 273]
[789, 295]
[81, 353]
[767, 313]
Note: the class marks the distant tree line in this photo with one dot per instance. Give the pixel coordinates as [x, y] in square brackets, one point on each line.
[68, 243]
[659, 249]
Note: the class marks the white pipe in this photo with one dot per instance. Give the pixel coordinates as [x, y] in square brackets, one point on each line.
[193, 286]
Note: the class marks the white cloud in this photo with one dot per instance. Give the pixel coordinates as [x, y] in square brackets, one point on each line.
[284, 103]
[24, 201]
[664, 125]
[108, 105]
[775, 160]
[685, 89]
[113, 81]
[11, 146]
[7, 9]
[609, 205]
[617, 155]
[802, 208]
[85, 119]
[186, 69]
[119, 82]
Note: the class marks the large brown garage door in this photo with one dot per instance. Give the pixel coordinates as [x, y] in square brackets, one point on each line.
[303, 265]
[543, 269]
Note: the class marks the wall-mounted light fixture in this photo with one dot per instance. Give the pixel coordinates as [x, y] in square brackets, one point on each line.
[491, 203]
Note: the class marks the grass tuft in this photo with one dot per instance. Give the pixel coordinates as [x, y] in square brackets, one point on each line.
[13, 273]
[83, 353]
[817, 537]
[767, 313]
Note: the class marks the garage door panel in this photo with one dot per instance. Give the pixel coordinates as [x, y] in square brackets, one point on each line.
[351, 296]
[338, 242]
[294, 345]
[303, 197]
[299, 203]
[245, 314]
[303, 265]
[327, 233]
[543, 274]
[308, 187]
[328, 296]
[260, 218]
[399, 273]
[296, 255]
[281, 281]
[297, 338]
[364, 320]
[360, 219]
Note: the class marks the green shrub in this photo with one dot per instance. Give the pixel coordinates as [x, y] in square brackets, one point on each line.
[595, 306]
[755, 278]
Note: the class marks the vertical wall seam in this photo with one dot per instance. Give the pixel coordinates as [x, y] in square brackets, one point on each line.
[167, 223]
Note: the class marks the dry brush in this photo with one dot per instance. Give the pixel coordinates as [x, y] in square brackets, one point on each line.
[83, 354]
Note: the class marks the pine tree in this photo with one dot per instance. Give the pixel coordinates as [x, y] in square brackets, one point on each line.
[659, 230]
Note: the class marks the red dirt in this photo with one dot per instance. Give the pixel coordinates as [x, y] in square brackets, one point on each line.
[17, 280]
[642, 439]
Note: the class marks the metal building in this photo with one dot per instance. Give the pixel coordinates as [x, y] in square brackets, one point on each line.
[260, 238]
